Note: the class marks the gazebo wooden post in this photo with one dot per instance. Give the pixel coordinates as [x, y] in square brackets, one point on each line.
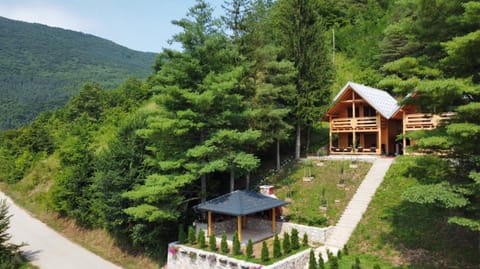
[239, 224]
[209, 223]
[274, 219]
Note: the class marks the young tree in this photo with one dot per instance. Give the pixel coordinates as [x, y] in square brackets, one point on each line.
[321, 262]
[277, 252]
[249, 250]
[236, 247]
[212, 240]
[182, 237]
[294, 239]
[312, 263]
[265, 254]
[201, 239]
[305, 240]
[224, 244]
[191, 235]
[286, 243]
[301, 30]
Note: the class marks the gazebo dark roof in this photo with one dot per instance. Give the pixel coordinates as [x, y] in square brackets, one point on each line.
[240, 203]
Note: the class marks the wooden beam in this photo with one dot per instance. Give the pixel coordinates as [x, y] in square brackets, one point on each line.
[379, 134]
[239, 228]
[354, 124]
[209, 223]
[330, 132]
[404, 130]
[274, 219]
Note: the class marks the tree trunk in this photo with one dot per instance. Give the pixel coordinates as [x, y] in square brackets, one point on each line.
[307, 148]
[203, 191]
[232, 180]
[298, 143]
[247, 178]
[278, 154]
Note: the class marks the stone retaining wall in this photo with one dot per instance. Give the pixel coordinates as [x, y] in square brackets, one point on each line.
[180, 256]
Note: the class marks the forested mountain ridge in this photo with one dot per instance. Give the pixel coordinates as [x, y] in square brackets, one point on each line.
[251, 87]
[41, 67]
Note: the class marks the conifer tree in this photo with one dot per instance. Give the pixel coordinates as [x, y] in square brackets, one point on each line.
[201, 239]
[236, 247]
[312, 263]
[249, 250]
[305, 240]
[286, 243]
[265, 255]
[224, 244]
[212, 242]
[191, 235]
[294, 239]
[277, 252]
[182, 237]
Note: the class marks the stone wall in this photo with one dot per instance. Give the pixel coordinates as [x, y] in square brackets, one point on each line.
[315, 234]
[180, 256]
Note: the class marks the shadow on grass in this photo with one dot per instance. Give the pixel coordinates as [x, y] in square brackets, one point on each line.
[426, 240]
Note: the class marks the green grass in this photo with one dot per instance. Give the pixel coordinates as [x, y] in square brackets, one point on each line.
[405, 235]
[306, 197]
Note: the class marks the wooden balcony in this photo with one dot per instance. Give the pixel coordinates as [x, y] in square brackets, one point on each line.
[420, 121]
[339, 125]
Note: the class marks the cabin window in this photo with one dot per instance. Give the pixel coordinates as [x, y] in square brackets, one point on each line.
[369, 111]
[350, 112]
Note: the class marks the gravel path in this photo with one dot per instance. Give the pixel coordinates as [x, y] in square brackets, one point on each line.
[46, 248]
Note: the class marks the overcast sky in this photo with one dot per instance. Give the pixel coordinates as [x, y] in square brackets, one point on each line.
[143, 25]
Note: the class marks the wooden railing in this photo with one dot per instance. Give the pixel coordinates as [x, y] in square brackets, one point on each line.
[348, 124]
[420, 121]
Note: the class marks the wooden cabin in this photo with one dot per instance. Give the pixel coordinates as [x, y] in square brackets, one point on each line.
[365, 120]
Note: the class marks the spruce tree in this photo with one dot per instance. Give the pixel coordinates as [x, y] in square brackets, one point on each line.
[10, 254]
[312, 263]
[191, 235]
[305, 240]
[265, 255]
[294, 239]
[224, 244]
[286, 243]
[321, 262]
[277, 252]
[201, 239]
[212, 241]
[249, 250]
[236, 248]
[333, 262]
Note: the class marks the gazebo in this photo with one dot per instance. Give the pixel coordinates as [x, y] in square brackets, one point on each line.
[240, 203]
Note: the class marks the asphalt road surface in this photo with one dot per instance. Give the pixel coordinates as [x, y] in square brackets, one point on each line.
[46, 248]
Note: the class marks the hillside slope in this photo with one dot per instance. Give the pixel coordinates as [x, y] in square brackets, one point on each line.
[41, 67]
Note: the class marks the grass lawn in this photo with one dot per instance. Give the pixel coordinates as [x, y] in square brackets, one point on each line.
[406, 235]
[31, 194]
[306, 197]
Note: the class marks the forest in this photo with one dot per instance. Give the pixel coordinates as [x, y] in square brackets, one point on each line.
[246, 91]
[41, 67]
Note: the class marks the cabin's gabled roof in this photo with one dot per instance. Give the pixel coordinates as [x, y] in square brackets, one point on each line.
[382, 101]
[240, 203]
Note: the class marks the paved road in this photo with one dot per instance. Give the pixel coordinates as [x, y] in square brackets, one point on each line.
[46, 248]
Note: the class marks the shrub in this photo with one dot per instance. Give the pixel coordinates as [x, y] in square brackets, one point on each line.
[321, 262]
[10, 254]
[182, 236]
[339, 254]
[191, 235]
[345, 250]
[357, 264]
[312, 263]
[212, 240]
[294, 239]
[249, 250]
[201, 239]
[305, 240]
[223, 243]
[236, 245]
[286, 243]
[264, 256]
[333, 262]
[277, 253]
[376, 266]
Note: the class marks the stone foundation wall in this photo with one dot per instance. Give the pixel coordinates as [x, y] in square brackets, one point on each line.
[315, 234]
[180, 256]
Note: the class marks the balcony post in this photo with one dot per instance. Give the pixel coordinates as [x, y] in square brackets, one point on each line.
[330, 133]
[404, 121]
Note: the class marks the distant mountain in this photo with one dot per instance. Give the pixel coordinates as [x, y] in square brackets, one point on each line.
[42, 66]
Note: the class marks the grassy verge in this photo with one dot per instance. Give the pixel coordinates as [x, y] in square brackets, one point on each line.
[307, 197]
[398, 234]
[31, 193]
